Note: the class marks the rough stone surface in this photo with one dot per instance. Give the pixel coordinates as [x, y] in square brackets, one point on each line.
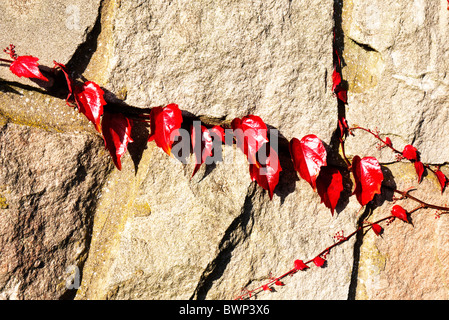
[48, 185]
[171, 237]
[47, 30]
[227, 59]
[397, 62]
[409, 261]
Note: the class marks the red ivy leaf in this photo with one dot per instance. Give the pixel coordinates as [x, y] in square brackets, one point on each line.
[410, 153]
[368, 178]
[205, 148]
[300, 265]
[116, 134]
[336, 80]
[419, 167]
[442, 179]
[329, 186]
[308, 155]
[337, 85]
[164, 123]
[279, 283]
[265, 287]
[399, 212]
[27, 66]
[266, 175]
[318, 261]
[376, 228]
[251, 134]
[90, 102]
[344, 127]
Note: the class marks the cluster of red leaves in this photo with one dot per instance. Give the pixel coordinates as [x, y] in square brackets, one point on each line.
[87, 97]
[309, 159]
[412, 154]
[309, 155]
[251, 136]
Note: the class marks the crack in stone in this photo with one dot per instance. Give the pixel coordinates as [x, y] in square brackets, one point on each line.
[237, 231]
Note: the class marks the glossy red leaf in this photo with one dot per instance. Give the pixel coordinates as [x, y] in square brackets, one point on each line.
[410, 152]
[205, 149]
[68, 79]
[442, 179]
[419, 168]
[27, 66]
[376, 228]
[164, 123]
[300, 265]
[279, 283]
[329, 186]
[399, 212]
[337, 84]
[308, 156]
[116, 129]
[266, 174]
[368, 178]
[251, 134]
[336, 80]
[318, 261]
[90, 102]
[265, 287]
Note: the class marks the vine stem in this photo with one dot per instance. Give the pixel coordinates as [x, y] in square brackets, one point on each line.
[6, 60]
[365, 225]
[272, 281]
[376, 135]
[423, 205]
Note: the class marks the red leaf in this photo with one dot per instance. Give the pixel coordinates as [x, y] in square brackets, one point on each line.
[336, 80]
[67, 77]
[329, 186]
[164, 123]
[410, 152]
[90, 102]
[26, 66]
[368, 178]
[265, 287]
[376, 228]
[308, 155]
[279, 283]
[388, 142]
[419, 167]
[267, 174]
[442, 179]
[251, 134]
[300, 265]
[342, 94]
[399, 212]
[116, 134]
[344, 127]
[205, 148]
[318, 261]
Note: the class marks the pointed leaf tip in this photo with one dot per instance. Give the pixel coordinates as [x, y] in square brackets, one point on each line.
[27, 66]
